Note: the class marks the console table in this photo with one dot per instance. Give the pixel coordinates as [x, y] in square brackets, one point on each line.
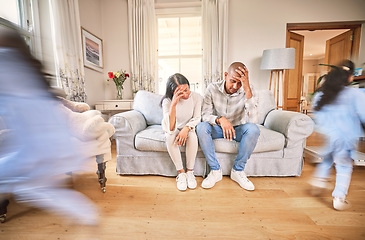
[110, 107]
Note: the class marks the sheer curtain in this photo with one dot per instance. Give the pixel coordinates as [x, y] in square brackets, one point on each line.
[66, 37]
[142, 44]
[215, 31]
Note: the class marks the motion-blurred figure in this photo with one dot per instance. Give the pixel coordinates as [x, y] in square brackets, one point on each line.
[36, 146]
[339, 112]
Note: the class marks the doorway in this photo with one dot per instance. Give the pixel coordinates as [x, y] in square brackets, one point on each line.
[314, 54]
[314, 38]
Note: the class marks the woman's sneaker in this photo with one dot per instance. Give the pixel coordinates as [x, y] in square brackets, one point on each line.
[181, 180]
[340, 204]
[191, 179]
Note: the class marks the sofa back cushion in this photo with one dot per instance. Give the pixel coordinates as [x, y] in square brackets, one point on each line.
[148, 104]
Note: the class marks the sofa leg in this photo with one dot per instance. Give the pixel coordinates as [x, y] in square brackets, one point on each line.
[3, 209]
[101, 176]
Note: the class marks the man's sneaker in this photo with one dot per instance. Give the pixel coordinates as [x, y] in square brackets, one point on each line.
[213, 177]
[241, 178]
[340, 204]
[318, 185]
[181, 180]
[191, 179]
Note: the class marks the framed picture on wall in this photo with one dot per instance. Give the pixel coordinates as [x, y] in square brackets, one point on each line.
[92, 49]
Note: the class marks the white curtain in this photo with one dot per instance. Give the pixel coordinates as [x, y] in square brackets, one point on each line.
[215, 31]
[66, 37]
[142, 44]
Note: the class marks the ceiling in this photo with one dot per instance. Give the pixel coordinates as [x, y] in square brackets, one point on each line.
[315, 42]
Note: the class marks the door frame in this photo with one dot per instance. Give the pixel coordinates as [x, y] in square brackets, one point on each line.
[354, 25]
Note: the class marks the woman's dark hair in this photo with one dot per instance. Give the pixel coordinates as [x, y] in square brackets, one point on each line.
[335, 81]
[172, 82]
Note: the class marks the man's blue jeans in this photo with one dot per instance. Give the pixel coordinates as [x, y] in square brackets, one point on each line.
[246, 134]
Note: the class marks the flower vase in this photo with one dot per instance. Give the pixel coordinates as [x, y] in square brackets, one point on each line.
[119, 93]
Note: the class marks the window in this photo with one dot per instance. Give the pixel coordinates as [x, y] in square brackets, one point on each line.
[18, 14]
[180, 50]
[10, 10]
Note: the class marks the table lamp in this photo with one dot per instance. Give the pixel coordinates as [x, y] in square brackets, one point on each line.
[277, 60]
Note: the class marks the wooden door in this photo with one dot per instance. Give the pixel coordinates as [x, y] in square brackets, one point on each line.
[339, 48]
[293, 77]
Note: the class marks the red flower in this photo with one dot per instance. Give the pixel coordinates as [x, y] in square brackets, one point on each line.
[111, 74]
[126, 75]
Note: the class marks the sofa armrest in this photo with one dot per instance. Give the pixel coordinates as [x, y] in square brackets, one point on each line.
[294, 125]
[128, 124]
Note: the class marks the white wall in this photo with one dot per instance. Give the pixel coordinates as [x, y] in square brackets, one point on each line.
[108, 20]
[115, 36]
[91, 20]
[253, 27]
[258, 25]
[310, 66]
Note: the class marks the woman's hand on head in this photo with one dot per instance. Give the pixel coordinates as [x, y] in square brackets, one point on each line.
[178, 94]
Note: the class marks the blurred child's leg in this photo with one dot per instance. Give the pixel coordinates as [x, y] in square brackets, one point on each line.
[344, 168]
[320, 177]
[323, 169]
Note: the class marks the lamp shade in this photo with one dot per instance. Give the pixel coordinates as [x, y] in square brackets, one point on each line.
[278, 58]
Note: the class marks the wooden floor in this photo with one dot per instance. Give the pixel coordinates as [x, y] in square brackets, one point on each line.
[150, 207]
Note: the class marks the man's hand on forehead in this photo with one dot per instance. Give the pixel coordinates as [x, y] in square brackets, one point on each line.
[242, 71]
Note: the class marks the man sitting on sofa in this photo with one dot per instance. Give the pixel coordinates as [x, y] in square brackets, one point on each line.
[229, 107]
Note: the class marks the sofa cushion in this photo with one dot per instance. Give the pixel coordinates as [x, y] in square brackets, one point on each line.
[153, 139]
[148, 104]
[269, 140]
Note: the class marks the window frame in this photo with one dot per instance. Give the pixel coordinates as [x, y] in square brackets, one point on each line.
[29, 25]
[177, 13]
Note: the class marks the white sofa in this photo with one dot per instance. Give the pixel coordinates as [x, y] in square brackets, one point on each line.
[141, 148]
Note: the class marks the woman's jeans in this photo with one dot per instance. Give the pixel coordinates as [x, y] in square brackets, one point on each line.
[246, 134]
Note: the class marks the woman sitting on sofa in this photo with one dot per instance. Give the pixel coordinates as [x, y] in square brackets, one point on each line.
[181, 114]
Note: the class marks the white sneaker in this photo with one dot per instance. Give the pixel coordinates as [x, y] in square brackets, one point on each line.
[318, 185]
[191, 179]
[241, 178]
[181, 180]
[213, 177]
[340, 204]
